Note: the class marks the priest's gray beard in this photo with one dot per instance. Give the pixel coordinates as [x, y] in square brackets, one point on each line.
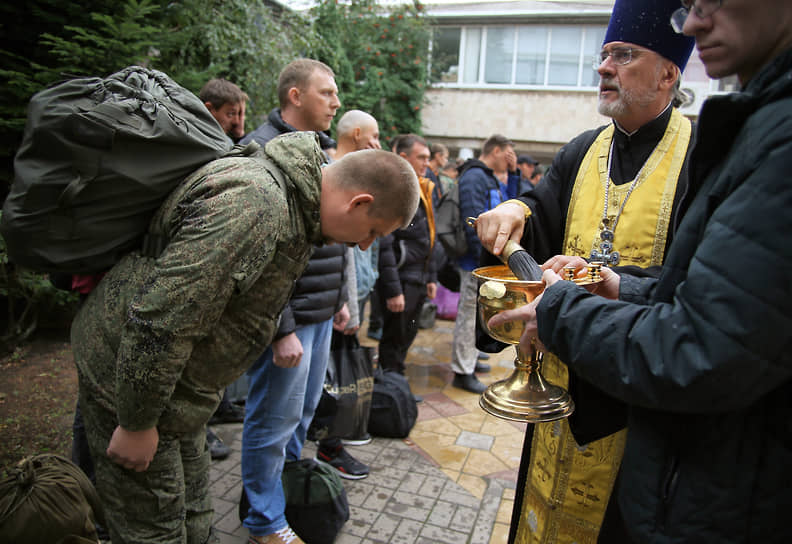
[631, 99]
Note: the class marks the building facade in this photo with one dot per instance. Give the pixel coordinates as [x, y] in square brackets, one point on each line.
[524, 69]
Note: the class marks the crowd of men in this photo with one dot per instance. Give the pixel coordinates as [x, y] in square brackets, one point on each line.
[678, 362]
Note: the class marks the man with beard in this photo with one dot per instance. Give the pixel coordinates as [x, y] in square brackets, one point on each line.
[608, 196]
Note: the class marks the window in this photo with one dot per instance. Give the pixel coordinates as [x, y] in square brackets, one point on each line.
[593, 36]
[445, 54]
[728, 84]
[498, 61]
[564, 56]
[516, 55]
[472, 55]
[531, 55]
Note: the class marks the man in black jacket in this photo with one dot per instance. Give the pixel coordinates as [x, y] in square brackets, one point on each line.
[701, 354]
[407, 274]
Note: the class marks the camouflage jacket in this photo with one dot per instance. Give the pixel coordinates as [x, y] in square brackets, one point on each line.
[158, 338]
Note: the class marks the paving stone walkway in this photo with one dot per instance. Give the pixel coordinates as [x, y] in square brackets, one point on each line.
[406, 499]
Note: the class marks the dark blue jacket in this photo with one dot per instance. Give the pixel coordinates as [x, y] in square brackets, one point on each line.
[479, 191]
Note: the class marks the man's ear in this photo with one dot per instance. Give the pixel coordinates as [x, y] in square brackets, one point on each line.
[360, 199]
[294, 96]
[356, 135]
[209, 106]
[669, 75]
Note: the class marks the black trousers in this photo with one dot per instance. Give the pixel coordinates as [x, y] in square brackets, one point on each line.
[399, 329]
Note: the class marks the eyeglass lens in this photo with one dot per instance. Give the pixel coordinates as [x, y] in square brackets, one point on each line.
[619, 55]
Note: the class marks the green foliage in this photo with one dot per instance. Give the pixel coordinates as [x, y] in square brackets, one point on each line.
[245, 41]
[110, 44]
[380, 59]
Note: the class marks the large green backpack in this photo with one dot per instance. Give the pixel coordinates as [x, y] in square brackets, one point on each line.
[97, 159]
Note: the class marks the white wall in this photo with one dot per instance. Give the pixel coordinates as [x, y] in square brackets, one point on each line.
[539, 122]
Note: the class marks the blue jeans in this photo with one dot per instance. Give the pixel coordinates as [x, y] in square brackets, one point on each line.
[278, 411]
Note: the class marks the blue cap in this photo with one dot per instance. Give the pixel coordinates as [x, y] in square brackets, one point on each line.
[648, 23]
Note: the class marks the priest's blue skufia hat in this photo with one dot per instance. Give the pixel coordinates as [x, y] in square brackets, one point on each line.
[648, 23]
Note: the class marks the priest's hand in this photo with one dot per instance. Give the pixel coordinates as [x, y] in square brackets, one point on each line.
[133, 450]
[499, 225]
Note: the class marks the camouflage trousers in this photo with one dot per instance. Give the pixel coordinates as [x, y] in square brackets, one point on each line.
[167, 504]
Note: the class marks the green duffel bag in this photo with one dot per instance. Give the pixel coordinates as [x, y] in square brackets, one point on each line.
[316, 501]
[47, 498]
[97, 158]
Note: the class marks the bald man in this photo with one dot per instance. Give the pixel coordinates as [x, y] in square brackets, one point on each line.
[356, 130]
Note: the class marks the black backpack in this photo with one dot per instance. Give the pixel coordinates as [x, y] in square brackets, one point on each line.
[316, 501]
[97, 159]
[393, 408]
[449, 229]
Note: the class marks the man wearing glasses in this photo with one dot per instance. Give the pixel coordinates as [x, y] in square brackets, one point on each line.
[608, 196]
[701, 354]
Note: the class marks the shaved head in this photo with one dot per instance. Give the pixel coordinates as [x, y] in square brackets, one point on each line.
[351, 120]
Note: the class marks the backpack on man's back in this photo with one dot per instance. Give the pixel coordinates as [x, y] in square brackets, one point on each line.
[449, 230]
[98, 157]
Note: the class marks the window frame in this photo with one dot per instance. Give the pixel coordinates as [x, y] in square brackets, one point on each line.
[584, 57]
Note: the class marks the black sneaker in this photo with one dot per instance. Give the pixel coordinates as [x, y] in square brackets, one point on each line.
[228, 413]
[347, 466]
[217, 449]
[359, 441]
[482, 367]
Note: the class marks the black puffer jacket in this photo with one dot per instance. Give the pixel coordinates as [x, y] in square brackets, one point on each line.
[320, 292]
[705, 357]
[406, 256]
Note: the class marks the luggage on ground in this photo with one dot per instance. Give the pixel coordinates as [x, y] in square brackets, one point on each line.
[47, 498]
[343, 409]
[316, 501]
[393, 406]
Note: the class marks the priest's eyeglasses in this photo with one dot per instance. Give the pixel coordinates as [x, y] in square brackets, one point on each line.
[619, 55]
[700, 8]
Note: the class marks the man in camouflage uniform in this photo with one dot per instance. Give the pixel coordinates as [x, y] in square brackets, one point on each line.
[159, 338]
